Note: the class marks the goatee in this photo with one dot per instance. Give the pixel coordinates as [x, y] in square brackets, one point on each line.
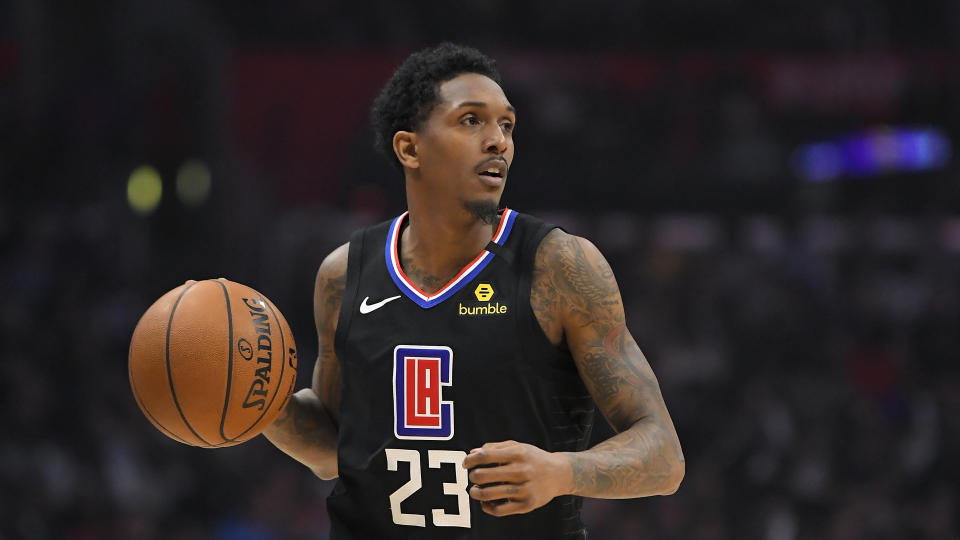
[485, 211]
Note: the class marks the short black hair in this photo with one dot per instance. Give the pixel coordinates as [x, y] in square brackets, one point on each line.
[413, 91]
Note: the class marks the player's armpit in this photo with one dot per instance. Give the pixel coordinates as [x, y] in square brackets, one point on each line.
[644, 458]
[307, 429]
[327, 300]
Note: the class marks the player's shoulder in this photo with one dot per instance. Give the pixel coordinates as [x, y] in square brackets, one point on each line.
[334, 266]
[560, 249]
[565, 272]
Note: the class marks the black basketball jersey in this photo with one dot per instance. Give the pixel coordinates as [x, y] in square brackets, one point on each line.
[427, 377]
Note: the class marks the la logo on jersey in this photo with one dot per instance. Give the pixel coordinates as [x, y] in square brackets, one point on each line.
[419, 374]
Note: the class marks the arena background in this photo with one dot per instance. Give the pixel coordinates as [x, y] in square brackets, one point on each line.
[774, 183]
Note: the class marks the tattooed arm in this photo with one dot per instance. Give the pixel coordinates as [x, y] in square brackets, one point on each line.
[644, 457]
[576, 298]
[307, 427]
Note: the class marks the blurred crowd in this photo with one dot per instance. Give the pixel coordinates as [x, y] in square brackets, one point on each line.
[815, 390]
[605, 24]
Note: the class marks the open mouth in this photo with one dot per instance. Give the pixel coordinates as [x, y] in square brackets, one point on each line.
[493, 179]
[493, 170]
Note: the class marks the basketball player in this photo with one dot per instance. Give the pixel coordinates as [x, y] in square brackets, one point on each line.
[462, 346]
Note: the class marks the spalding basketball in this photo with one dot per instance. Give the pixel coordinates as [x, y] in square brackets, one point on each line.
[212, 363]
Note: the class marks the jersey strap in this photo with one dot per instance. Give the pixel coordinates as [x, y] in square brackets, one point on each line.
[500, 251]
[470, 271]
[354, 261]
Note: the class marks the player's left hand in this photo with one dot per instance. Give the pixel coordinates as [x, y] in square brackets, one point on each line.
[514, 478]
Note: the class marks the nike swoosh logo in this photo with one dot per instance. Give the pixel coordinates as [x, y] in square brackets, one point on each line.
[367, 308]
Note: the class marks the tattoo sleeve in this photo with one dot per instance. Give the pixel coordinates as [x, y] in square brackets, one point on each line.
[575, 295]
[307, 428]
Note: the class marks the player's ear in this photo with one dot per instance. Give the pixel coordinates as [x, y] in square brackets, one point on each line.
[405, 147]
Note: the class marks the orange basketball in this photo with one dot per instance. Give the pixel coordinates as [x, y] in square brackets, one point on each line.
[212, 363]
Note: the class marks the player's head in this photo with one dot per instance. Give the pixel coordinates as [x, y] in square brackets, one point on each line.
[441, 118]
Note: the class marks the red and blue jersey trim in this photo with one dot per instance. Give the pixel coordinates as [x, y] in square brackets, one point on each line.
[465, 276]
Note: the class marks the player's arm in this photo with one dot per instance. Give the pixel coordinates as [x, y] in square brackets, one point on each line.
[576, 298]
[307, 428]
[644, 457]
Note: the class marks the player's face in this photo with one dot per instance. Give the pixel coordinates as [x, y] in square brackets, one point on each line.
[466, 145]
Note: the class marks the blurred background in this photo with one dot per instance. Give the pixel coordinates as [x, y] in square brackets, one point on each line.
[774, 183]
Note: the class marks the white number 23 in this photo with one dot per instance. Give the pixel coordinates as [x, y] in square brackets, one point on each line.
[458, 488]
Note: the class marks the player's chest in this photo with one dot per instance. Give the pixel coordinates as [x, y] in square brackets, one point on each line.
[476, 313]
[472, 336]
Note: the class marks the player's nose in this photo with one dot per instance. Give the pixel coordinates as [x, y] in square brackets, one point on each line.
[495, 141]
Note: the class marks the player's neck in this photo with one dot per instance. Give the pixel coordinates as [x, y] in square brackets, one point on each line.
[443, 242]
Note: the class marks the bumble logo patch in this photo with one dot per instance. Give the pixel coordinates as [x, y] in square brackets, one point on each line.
[483, 292]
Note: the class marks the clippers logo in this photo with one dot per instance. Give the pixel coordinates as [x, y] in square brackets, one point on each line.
[419, 374]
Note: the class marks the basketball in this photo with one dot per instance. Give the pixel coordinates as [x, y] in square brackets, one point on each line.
[212, 363]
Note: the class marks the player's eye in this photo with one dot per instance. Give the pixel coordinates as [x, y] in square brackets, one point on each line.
[470, 120]
[507, 127]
